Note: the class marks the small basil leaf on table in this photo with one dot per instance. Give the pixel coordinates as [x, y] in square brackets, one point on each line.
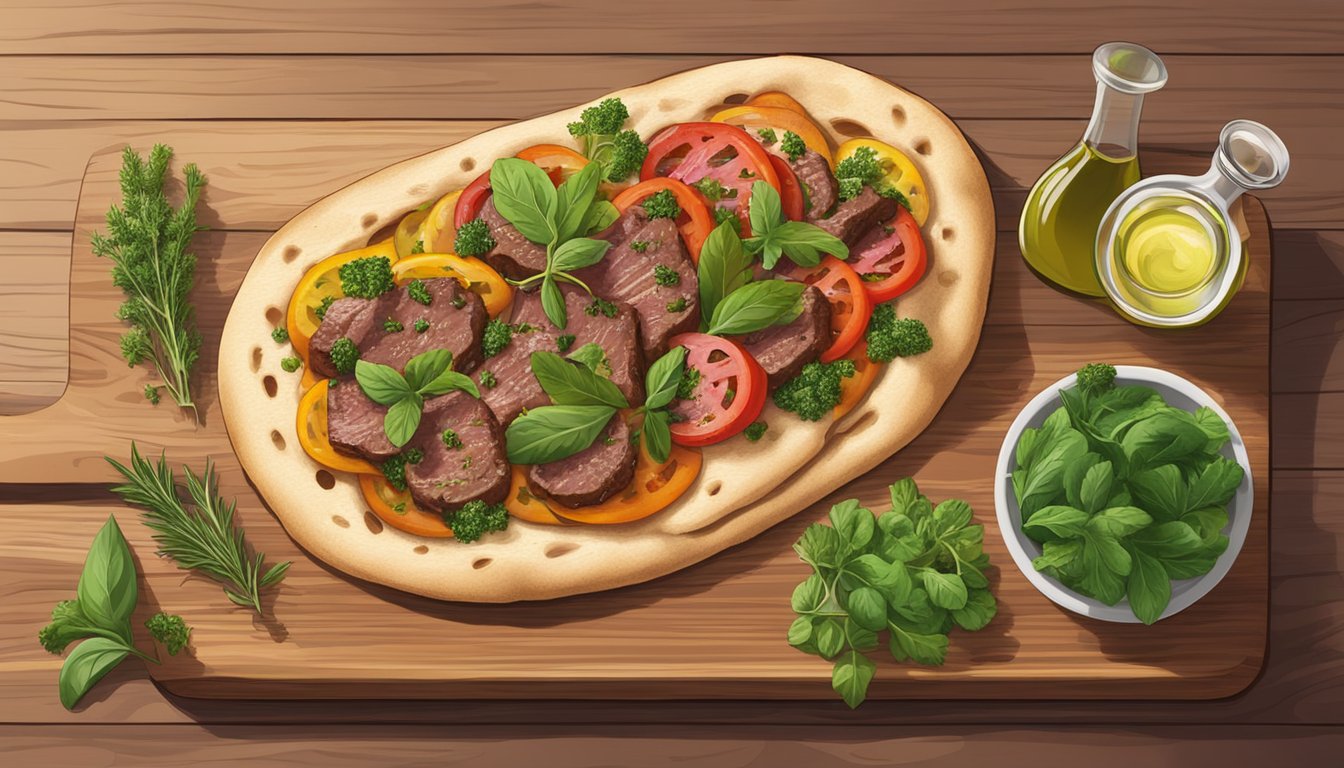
[923, 648]
[554, 432]
[854, 524]
[756, 306]
[107, 590]
[574, 384]
[524, 195]
[851, 677]
[381, 383]
[88, 663]
[979, 610]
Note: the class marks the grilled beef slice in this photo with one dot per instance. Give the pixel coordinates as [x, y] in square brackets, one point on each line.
[513, 256]
[783, 350]
[455, 315]
[592, 475]
[822, 190]
[446, 478]
[854, 217]
[627, 275]
[516, 388]
[355, 423]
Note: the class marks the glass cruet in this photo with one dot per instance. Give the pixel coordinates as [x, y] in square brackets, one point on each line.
[1059, 221]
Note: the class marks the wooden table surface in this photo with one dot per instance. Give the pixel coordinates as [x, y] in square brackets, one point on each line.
[76, 78]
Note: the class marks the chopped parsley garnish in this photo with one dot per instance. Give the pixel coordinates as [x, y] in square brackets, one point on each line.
[793, 146]
[755, 430]
[640, 246]
[473, 239]
[421, 325]
[488, 380]
[291, 364]
[392, 326]
[679, 305]
[768, 136]
[565, 341]
[662, 205]
[280, 334]
[665, 275]
[321, 309]
[497, 336]
[690, 381]
[344, 355]
[603, 306]
[419, 293]
[451, 440]
[713, 190]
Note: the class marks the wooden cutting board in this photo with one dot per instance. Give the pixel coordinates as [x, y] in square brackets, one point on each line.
[714, 630]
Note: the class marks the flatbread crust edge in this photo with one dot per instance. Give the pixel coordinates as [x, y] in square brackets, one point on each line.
[744, 488]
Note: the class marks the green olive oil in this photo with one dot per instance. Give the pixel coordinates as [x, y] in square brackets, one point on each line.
[1058, 231]
[1167, 254]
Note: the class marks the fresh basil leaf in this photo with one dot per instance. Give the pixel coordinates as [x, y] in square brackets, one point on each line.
[1025, 452]
[770, 251]
[402, 419]
[805, 243]
[950, 515]
[819, 546]
[88, 663]
[902, 493]
[1171, 539]
[1207, 522]
[830, 638]
[657, 435]
[590, 355]
[554, 432]
[867, 607]
[578, 253]
[570, 384]
[574, 196]
[800, 631]
[1096, 487]
[1216, 484]
[809, 595]
[924, 648]
[854, 524]
[450, 381]
[756, 306]
[1074, 473]
[425, 367]
[1213, 426]
[723, 268]
[107, 590]
[1101, 544]
[1196, 563]
[1148, 587]
[765, 211]
[946, 590]
[1162, 438]
[601, 214]
[1161, 491]
[1044, 484]
[1063, 522]
[1120, 522]
[381, 383]
[851, 676]
[979, 610]
[663, 377]
[524, 195]
[1057, 554]
[859, 638]
[553, 302]
[1103, 565]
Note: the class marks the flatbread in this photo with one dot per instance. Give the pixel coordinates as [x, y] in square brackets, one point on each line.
[744, 488]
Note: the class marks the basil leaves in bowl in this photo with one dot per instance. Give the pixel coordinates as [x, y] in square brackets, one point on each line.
[1123, 493]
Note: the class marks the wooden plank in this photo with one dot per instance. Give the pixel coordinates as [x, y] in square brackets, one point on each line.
[1316, 270]
[1302, 682]
[696, 26]
[264, 172]
[1307, 430]
[1284, 89]
[664, 747]
[34, 309]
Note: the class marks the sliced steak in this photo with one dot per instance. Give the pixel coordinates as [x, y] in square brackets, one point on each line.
[822, 190]
[592, 475]
[783, 350]
[516, 388]
[350, 318]
[456, 320]
[355, 423]
[629, 274]
[854, 217]
[513, 256]
[446, 478]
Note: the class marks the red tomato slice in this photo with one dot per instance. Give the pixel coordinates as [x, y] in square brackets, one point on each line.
[473, 197]
[890, 263]
[695, 222]
[730, 395]
[790, 192]
[690, 152]
[850, 303]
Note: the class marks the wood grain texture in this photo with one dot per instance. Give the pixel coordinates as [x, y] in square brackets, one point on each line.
[334, 639]
[292, 163]
[696, 26]
[34, 308]
[662, 747]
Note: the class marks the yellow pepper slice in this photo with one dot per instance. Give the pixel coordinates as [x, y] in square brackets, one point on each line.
[474, 274]
[323, 280]
[901, 173]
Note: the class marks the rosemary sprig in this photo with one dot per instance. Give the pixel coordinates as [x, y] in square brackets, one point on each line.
[204, 539]
[147, 241]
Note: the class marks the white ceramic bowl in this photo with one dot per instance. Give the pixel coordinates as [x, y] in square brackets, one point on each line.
[1184, 592]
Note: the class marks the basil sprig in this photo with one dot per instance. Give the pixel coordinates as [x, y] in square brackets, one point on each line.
[774, 236]
[553, 216]
[730, 303]
[427, 374]
[584, 401]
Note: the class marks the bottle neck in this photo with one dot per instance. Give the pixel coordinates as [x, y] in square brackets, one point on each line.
[1114, 127]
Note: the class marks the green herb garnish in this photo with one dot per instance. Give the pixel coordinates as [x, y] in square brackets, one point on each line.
[427, 374]
[774, 236]
[890, 337]
[815, 392]
[665, 275]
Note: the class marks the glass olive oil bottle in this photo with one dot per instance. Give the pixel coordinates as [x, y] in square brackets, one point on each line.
[1058, 230]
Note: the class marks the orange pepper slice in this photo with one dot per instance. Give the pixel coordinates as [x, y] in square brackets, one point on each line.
[474, 275]
[654, 488]
[853, 389]
[756, 117]
[311, 424]
[323, 280]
